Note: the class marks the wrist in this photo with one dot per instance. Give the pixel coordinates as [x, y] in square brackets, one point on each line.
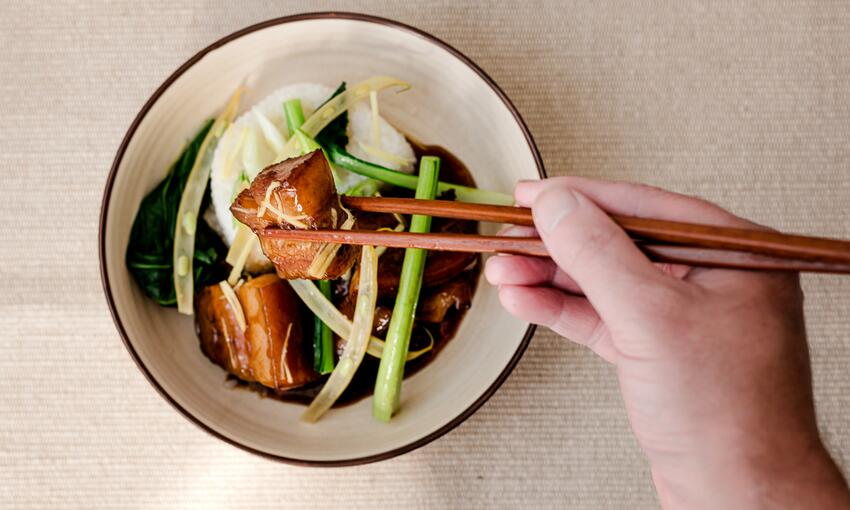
[802, 478]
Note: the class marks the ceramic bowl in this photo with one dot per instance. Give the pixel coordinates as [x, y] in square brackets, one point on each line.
[453, 103]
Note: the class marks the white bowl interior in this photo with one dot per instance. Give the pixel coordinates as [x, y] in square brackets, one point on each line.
[450, 105]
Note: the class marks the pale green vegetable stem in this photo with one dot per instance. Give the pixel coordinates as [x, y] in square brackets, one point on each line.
[391, 371]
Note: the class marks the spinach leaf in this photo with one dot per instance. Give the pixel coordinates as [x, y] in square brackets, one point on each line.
[150, 250]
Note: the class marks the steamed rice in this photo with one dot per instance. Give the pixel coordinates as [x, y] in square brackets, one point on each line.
[225, 182]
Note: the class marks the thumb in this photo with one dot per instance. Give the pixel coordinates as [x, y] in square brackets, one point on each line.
[596, 253]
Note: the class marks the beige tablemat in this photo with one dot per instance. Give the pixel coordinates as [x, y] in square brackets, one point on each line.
[745, 103]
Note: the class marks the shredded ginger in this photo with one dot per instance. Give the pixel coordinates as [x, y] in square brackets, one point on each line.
[237, 256]
[235, 306]
[327, 253]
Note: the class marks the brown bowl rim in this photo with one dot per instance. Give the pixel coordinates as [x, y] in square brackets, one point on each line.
[108, 192]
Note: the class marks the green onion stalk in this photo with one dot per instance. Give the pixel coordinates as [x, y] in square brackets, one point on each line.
[343, 159]
[294, 114]
[323, 340]
[391, 371]
[323, 348]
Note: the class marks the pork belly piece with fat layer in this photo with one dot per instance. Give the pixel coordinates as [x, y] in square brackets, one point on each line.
[271, 349]
[298, 193]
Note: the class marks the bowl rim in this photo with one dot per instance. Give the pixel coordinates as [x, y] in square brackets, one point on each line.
[105, 202]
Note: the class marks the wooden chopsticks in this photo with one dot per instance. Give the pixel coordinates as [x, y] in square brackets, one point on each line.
[661, 240]
[442, 209]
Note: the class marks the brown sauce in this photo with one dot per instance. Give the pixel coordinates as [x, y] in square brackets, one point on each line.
[452, 170]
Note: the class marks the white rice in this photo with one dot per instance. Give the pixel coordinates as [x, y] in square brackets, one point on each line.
[224, 184]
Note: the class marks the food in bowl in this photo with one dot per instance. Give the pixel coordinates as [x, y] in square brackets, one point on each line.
[318, 323]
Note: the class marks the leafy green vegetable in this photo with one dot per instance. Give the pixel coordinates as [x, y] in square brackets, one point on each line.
[151, 248]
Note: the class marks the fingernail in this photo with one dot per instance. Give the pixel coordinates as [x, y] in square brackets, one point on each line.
[517, 231]
[518, 191]
[552, 206]
[490, 271]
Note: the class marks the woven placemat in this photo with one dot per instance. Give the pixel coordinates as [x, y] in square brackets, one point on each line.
[744, 103]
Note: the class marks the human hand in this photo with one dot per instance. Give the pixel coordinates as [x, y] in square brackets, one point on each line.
[713, 364]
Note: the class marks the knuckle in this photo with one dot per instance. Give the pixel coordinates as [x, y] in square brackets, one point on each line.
[561, 182]
[648, 196]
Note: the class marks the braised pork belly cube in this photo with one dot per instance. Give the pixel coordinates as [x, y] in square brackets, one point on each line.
[271, 349]
[298, 193]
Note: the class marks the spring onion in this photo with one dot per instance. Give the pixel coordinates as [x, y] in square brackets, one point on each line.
[391, 371]
[294, 120]
[190, 205]
[323, 337]
[358, 340]
[294, 114]
[340, 157]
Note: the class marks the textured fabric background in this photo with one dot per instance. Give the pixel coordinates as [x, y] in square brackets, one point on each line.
[745, 103]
